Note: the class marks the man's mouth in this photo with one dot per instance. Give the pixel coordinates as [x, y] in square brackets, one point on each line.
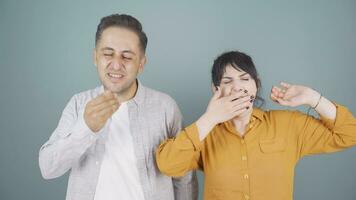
[115, 77]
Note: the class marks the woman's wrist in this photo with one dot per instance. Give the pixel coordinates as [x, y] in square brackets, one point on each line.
[205, 124]
[314, 99]
[207, 120]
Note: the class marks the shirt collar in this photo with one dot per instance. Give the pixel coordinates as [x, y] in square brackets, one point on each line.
[139, 96]
[256, 114]
[140, 93]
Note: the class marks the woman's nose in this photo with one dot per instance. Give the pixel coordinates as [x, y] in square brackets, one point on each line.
[237, 88]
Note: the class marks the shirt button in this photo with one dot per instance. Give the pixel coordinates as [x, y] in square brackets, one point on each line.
[246, 176]
[97, 162]
[92, 137]
[247, 197]
[244, 157]
[242, 141]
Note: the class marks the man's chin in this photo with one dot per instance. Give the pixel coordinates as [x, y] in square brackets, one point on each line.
[117, 87]
[114, 88]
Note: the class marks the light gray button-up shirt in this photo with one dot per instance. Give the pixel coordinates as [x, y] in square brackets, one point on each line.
[154, 117]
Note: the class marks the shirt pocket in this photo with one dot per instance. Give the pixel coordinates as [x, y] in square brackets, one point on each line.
[273, 145]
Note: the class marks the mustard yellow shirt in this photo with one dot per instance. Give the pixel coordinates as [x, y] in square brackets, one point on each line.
[260, 165]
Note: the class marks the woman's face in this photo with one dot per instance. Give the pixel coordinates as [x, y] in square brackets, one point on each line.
[234, 80]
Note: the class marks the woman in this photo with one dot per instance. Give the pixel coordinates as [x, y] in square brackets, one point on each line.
[245, 152]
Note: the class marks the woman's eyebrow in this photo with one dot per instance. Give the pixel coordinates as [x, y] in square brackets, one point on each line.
[227, 77]
[243, 74]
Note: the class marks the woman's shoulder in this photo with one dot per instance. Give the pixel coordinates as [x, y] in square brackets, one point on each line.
[277, 114]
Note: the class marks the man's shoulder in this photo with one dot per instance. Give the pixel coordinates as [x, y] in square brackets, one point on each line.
[153, 95]
[160, 103]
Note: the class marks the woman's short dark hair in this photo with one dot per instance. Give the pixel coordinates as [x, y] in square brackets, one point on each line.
[124, 21]
[239, 61]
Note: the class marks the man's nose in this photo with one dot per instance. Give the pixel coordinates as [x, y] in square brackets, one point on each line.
[116, 63]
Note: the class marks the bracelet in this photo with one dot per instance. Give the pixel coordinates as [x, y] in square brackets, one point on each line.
[318, 101]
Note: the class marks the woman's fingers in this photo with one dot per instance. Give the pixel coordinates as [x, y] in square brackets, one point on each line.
[244, 103]
[238, 95]
[285, 85]
[279, 92]
[238, 111]
[217, 93]
[275, 91]
[273, 97]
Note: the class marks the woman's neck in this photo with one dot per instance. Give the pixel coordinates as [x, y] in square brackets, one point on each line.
[240, 122]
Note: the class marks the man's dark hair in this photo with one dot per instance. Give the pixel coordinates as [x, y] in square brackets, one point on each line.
[124, 21]
[239, 61]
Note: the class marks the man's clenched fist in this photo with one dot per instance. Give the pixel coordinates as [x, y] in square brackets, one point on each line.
[100, 109]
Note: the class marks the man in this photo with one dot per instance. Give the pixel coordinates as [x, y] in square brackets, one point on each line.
[107, 136]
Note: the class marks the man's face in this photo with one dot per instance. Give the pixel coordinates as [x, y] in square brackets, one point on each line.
[234, 80]
[118, 59]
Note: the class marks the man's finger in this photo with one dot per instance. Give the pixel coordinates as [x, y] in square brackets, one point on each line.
[107, 112]
[106, 96]
[105, 104]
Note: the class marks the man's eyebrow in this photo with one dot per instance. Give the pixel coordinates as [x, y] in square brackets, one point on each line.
[106, 48]
[111, 49]
[129, 51]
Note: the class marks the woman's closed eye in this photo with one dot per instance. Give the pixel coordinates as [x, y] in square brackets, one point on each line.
[227, 82]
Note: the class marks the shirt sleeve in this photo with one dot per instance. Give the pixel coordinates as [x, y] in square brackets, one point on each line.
[67, 144]
[325, 135]
[176, 156]
[186, 184]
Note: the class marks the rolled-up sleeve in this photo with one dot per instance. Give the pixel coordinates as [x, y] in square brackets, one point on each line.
[185, 184]
[325, 135]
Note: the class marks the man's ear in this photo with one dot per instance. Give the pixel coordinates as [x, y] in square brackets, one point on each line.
[143, 61]
[94, 58]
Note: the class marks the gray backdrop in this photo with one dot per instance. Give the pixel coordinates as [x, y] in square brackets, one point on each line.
[46, 57]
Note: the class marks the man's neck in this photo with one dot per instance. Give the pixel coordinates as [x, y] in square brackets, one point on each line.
[129, 93]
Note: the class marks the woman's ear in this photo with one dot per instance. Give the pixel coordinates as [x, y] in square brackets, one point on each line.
[213, 88]
[258, 82]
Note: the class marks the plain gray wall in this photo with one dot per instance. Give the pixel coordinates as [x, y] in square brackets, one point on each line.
[46, 57]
